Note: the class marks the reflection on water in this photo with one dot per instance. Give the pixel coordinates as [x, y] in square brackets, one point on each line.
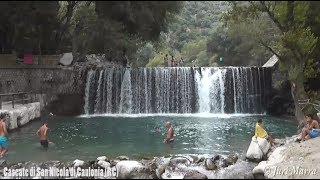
[87, 138]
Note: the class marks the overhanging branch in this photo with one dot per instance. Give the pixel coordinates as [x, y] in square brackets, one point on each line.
[272, 16]
[269, 48]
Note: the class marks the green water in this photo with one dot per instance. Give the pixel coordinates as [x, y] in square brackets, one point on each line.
[87, 138]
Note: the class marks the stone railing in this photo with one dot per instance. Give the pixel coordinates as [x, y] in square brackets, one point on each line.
[16, 97]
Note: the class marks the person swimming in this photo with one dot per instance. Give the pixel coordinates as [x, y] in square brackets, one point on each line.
[170, 133]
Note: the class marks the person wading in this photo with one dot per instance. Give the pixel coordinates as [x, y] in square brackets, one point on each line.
[3, 136]
[43, 134]
[169, 138]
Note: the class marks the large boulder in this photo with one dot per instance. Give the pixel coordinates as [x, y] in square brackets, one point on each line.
[258, 148]
[194, 175]
[210, 164]
[132, 169]
[179, 160]
[102, 158]
[77, 163]
[104, 164]
[275, 157]
[160, 171]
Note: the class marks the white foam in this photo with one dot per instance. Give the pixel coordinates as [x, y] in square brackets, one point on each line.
[202, 115]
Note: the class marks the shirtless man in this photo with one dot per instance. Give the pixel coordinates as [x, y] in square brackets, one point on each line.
[170, 133]
[43, 134]
[3, 136]
[312, 128]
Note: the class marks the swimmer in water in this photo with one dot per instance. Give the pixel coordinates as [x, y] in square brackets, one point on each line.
[169, 138]
[43, 134]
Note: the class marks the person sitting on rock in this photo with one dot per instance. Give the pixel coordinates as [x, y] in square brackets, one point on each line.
[260, 132]
[311, 129]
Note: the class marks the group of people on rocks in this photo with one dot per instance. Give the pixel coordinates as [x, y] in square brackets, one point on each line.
[310, 130]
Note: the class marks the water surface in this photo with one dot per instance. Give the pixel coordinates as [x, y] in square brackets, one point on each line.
[86, 138]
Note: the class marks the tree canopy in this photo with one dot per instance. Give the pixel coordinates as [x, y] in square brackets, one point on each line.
[110, 27]
[291, 32]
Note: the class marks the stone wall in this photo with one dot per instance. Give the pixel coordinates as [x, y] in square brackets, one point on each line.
[21, 115]
[281, 103]
[58, 90]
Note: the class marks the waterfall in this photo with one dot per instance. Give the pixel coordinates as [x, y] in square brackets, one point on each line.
[177, 90]
[211, 90]
[126, 94]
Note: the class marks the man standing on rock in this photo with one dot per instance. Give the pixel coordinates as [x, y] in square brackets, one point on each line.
[43, 134]
[3, 136]
[169, 138]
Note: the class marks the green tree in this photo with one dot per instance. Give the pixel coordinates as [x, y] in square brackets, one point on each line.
[293, 42]
[144, 54]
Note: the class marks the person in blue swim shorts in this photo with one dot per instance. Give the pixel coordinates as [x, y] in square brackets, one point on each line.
[3, 136]
[311, 129]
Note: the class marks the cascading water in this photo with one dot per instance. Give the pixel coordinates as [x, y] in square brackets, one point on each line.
[211, 90]
[177, 90]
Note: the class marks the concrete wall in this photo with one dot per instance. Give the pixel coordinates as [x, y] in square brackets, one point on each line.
[21, 115]
[59, 91]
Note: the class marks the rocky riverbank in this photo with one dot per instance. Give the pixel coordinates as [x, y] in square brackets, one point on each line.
[292, 160]
[169, 167]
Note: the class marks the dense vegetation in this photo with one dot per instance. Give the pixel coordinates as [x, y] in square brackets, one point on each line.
[288, 29]
[188, 34]
[115, 28]
[206, 33]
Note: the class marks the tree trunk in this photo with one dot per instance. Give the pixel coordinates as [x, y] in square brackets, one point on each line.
[298, 93]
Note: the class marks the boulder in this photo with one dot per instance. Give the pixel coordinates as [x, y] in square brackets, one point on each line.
[179, 160]
[264, 145]
[77, 163]
[102, 158]
[254, 152]
[3, 163]
[114, 162]
[88, 164]
[194, 158]
[160, 171]
[201, 159]
[132, 169]
[210, 164]
[104, 164]
[194, 175]
[232, 159]
[121, 158]
[216, 158]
